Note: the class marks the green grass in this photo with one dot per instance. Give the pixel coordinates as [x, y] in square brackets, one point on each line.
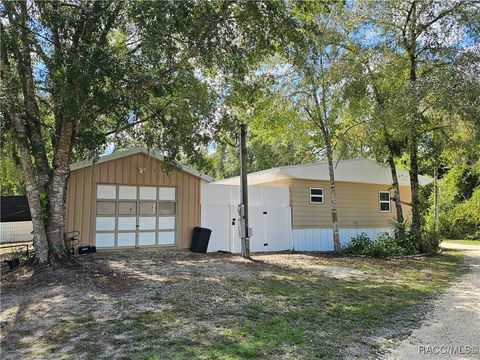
[301, 314]
[463, 242]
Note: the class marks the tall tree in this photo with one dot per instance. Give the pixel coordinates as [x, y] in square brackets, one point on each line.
[316, 56]
[428, 34]
[75, 73]
[276, 136]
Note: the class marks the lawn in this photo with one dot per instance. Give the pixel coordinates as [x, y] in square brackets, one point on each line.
[463, 242]
[178, 305]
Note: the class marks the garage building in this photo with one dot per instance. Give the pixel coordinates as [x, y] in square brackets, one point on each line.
[126, 199]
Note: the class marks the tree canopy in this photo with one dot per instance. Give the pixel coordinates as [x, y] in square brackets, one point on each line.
[397, 81]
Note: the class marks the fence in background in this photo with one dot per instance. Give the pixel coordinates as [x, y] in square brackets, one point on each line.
[16, 231]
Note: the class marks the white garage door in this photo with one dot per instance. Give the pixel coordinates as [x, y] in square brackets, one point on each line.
[128, 216]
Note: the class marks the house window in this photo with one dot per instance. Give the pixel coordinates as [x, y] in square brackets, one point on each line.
[384, 201]
[316, 196]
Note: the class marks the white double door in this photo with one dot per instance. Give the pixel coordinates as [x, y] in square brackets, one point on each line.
[128, 216]
[270, 225]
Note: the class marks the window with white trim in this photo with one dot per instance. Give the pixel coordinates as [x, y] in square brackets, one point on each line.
[384, 201]
[316, 196]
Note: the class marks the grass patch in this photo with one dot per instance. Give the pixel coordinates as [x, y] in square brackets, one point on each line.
[463, 242]
[279, 311]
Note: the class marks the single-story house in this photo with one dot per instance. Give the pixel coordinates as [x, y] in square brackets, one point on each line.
[126, 200]
[363, 194]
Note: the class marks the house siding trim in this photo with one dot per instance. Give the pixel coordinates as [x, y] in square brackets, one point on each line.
[322, 239]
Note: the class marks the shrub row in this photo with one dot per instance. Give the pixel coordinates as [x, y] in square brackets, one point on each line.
[395, 244]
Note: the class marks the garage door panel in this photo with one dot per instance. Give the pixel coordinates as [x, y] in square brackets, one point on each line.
[127, 223]
[106, 207]
[166, 193]
[147, 223]
[106, 192]
[147, 208]
[166, 222]
[105, 240]
[105, 223]
[127, 192]
[128, 216]
[126, 239]
[166, 208]
[166, 237]
[148, 193]
[127, 207]
[146, 238]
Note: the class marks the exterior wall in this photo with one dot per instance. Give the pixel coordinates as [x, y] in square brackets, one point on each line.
[81, 194]
[355, 202]
[322, 239]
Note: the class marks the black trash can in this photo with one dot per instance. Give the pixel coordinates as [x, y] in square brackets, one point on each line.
[200, 239]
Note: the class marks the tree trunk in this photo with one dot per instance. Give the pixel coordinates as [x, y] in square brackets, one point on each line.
[333, 196]
[323, 125]
[396, 190]
[58, 192]
[32, 111]
[33, 193]
[40, 241]
[414, 185]
[391, 160]
[435, 197]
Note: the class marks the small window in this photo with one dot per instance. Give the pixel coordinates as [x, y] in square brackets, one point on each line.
[166, 208]
[127, 207]
[384, 201]
[148, 208]
[316, 196]
[105, 207]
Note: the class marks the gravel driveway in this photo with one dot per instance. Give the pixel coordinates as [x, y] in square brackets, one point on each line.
[452, 330]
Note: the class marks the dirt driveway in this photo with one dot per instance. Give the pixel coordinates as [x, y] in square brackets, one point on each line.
[452, 329]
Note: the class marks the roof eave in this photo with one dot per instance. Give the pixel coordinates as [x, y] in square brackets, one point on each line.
[132, 151]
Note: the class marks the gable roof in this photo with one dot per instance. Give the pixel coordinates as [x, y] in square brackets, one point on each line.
[355, 170]
[137, 150]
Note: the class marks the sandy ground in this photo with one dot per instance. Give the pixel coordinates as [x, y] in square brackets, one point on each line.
[107, 286]
[452, 329]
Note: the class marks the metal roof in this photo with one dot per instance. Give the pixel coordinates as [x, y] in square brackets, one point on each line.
[354, 170]
[137, 150]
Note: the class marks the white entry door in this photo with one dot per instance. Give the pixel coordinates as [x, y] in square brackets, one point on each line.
[135, 216]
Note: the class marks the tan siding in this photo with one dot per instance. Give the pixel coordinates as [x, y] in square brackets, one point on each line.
[355, 202]
[81, 193]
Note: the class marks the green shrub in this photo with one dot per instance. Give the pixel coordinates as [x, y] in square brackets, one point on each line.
[384, 246]
[404, 238]
[430, 242]
[392, 245]
[357, 244]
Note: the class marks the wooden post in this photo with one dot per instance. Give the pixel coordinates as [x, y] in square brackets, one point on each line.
[243, 208]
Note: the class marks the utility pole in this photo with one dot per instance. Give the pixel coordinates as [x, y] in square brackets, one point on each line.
[243, 207]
